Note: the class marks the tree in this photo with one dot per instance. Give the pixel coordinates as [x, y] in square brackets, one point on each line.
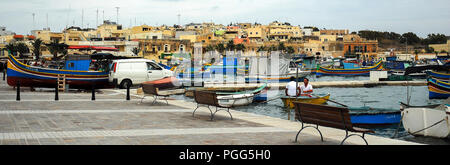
[281, 47]
[429, 49]
[136, 50]
[434, 39]
[22, 48]
[290, 50]
[261, 48]
[210, 48]
[240, 47]
[56, 48]
[11, 47]
[410, 37]
[220, 48]
[37, 48]
[230, 45]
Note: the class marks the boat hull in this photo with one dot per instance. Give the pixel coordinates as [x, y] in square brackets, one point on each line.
[41, 77]
[288, 101]
[416, 119]
[348, 72]
[380, 118]
[165, 83]
[235, 100]
[438, 89]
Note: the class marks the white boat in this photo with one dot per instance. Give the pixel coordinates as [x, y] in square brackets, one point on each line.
[235, 100]
[433, 122]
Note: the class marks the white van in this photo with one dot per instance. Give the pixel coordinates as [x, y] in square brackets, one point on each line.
[136, 71]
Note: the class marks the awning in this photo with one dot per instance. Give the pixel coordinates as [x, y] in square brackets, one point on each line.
[93, 47]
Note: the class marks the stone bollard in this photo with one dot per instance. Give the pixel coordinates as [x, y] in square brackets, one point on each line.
[56, 91]
[18, 91]
[128, 91]
[93, 93]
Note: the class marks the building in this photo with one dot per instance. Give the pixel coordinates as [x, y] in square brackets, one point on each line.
[4, 32]
[334, 32]
[441, 47]
[356, 45]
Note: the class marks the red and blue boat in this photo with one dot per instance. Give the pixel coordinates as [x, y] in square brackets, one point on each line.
[33, 76]
[349, 72]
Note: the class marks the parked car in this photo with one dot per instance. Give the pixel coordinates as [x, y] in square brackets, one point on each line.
[136, 71]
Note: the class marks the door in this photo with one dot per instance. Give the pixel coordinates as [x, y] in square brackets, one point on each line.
[139, 72]
[155, 72]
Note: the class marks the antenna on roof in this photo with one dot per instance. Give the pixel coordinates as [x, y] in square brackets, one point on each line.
[117, 8]
[33, 20]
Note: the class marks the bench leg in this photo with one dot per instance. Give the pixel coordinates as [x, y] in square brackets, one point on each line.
[142, 99]
[156, 97]
[303, 127]
[347, 136]
[228, 110]
[212, 115]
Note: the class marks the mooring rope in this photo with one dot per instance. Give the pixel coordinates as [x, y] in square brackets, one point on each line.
[418, 130]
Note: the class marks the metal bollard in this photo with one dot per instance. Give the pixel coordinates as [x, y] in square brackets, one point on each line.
[56, 91]
[4, 73]
[18, 91]
[128, 91]
[93, 92]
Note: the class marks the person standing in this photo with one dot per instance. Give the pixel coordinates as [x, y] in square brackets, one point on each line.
[292, 89]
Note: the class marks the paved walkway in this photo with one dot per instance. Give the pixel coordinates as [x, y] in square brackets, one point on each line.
[39, 120]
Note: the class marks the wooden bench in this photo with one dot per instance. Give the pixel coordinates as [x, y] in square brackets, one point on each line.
[150, 89]
[207, 99]
[329, 116]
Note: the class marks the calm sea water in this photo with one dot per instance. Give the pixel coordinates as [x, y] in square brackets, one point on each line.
[387, 97]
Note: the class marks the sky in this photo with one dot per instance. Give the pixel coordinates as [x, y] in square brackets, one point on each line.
[418, 16]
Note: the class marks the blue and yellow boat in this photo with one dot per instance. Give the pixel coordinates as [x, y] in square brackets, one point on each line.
[32, 76]
[349, 72]
[438, 89]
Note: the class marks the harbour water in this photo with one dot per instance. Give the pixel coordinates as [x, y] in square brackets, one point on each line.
[385, 97]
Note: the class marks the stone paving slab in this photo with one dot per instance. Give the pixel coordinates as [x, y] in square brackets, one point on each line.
[122, 120]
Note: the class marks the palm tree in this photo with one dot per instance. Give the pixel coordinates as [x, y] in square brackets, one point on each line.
[240, 47]
[281, 47]
[272, 48]
[136, 50]
[261, 48]
[11, 47]
[210, 48]
[37, 48]
[290, 50]
[22, 48]
[56, 48]
[220, 48]
[230, 45]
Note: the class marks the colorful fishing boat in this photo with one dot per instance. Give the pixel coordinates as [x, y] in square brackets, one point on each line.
[439, 75]
[349, 72]
[32, 76]
[288, 100]
[438, 89]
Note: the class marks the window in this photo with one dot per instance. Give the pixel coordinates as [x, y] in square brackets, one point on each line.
[152, 66]
[251, 33]
[256, 32]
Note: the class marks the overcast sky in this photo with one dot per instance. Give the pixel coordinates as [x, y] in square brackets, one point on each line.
[419, 16]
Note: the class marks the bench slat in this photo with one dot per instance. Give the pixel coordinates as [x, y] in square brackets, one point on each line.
[324, 115]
